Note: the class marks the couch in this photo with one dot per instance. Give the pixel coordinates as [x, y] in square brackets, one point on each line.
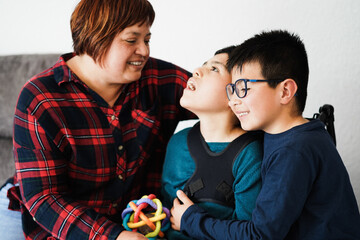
[15, 70]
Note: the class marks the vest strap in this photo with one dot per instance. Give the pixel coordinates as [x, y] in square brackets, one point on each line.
[213, 179]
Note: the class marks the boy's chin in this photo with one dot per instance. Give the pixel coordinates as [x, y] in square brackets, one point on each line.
[187, 105]
[184, 103]
[247, 127]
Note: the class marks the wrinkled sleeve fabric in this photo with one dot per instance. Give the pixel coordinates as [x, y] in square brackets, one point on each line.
[166, 83]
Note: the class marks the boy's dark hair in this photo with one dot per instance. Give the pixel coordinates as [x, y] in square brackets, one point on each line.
[227, 50]
[281, 55]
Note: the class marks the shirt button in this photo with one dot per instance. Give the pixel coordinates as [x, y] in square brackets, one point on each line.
[121, 147]
[120, 177]
[34, 219]
[113, 117]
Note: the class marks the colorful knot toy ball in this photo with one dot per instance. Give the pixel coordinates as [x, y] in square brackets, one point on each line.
[152, 223]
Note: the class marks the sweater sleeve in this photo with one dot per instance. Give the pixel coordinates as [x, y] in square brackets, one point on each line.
[247, 183]
[178, 167]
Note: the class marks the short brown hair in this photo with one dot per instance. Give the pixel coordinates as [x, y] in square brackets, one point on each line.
[95, 23]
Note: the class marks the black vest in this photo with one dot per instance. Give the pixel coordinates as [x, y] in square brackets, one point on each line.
[213, 179]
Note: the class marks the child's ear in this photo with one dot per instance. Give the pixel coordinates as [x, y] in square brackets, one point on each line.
[288, 90]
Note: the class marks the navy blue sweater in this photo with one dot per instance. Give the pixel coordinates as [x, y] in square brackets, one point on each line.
[306, 194]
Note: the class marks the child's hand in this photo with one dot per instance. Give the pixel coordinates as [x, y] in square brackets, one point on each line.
[178, 209]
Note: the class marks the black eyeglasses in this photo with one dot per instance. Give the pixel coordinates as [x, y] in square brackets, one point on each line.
[240, 86]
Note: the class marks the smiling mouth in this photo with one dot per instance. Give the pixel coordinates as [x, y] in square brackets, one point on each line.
[135, 63]
[242, 114]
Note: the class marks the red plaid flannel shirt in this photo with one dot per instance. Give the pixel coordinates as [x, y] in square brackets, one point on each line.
[79, 162]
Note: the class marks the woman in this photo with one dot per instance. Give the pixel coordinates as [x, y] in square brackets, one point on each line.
[90, 132]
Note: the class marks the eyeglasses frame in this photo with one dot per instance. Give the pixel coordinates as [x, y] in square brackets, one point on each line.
[246, 81]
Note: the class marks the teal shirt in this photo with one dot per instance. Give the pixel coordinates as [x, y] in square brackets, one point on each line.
[179, 167]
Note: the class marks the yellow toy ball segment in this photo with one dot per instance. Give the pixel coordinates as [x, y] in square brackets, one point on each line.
[154, 217]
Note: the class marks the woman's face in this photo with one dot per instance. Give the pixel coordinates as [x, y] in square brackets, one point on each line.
[128, 54]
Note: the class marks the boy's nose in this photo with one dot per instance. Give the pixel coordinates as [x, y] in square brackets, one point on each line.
[234, 101]
[197, 72]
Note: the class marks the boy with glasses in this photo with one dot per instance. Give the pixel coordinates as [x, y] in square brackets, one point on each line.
[306, 191]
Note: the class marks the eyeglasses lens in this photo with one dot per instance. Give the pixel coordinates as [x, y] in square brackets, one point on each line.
[229, 90]
[240, 88]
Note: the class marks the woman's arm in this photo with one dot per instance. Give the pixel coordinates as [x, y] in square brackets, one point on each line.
[42, 173]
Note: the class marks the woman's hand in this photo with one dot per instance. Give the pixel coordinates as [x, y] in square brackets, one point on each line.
[127, 235]
[178, 209]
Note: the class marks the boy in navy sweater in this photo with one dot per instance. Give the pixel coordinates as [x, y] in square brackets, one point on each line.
[306, 191]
